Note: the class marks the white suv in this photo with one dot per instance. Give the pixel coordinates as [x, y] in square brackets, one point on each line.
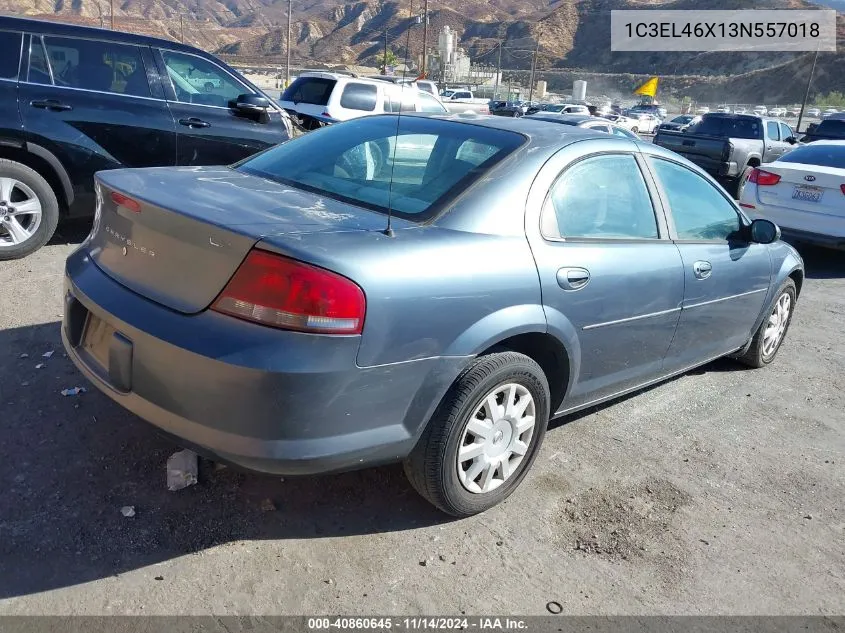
[318, 98]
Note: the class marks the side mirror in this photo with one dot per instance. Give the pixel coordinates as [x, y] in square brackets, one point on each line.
[792, 140]
[764, 231]
[252, 104]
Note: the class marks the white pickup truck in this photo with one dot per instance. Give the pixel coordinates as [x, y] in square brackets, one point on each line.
[464, 101]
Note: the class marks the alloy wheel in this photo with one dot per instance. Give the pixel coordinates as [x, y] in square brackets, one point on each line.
[776, 327]
[20, 212]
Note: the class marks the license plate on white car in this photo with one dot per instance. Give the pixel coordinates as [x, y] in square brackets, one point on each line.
[807, 194]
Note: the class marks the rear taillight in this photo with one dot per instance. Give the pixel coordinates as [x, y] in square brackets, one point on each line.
[284, 293]
[763, 178]
[125, 201]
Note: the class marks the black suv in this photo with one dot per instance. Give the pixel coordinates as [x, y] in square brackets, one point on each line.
[76, 100]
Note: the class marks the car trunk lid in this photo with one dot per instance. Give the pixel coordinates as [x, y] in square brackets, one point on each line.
[177, 235]
[811, 188]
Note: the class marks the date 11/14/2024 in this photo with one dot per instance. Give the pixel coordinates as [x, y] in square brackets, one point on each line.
[417, 623]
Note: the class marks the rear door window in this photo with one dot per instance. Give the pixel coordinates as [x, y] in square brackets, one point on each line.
[10, 54]
[310, 90]
[358, 96]
[39, 69]
[600, 197]
[785, 131]
[94, 65]
[772, 130]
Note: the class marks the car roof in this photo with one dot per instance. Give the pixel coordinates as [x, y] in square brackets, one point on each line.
[556, 117]
[63, 29]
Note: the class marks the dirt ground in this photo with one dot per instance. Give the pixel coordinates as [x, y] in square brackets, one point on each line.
[720, 492]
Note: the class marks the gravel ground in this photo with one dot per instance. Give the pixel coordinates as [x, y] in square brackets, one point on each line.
[720, 492]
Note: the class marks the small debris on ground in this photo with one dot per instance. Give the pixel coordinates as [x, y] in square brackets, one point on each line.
[267, 505]
[219, 466]
[424, 563]
[40, 366]
[47, 354]
[182, 468]
[808, 516]
[25, 383]
[159, 577]
[128, 511]
[73, 391]
[24, 356]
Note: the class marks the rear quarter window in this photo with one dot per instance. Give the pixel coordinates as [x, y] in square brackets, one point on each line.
[310, 90]
[10, 54]
[357, 96]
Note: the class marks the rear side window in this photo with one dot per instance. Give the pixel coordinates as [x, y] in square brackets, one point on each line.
[600, 197]
[785, 131]
[310, 90]
[772, 130]
[413, 165]
[832, 127]
[357, 96]
[730, 127]
[10, 54]
[92, 65]
[817, 154]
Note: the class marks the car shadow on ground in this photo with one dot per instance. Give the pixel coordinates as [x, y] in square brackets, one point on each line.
[71, 231]
[821, 263]
[69, 464]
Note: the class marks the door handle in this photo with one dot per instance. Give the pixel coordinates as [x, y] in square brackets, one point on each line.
[702, 269]
[194, 122]
[50, 104]
[573, 278]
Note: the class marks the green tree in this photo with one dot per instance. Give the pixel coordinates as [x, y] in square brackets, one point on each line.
[387, 59]
[832, 99]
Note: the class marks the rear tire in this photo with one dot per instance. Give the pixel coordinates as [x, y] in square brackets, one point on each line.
[772, 331]
[485, 415]
[20, 185]
[736, 185]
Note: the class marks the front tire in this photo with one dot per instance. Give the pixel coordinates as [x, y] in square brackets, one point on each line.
[769, 336]
[484, 436]
[29, 210]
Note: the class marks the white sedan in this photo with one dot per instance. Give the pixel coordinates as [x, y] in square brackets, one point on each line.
[803, 192]
[641, 123]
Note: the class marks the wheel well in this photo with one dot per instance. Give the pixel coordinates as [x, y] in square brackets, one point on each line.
[42, 167]
[549, 353]
[798, 278]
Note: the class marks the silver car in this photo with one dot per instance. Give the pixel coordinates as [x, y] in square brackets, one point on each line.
[430, 290]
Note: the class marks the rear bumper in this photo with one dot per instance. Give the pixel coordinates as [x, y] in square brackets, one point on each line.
[803, 226]
[263, 399]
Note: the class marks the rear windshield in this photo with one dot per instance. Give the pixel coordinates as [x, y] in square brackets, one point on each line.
[313, 90]
[729, 127]
[815, 154]
[429, 162]
[832, 127]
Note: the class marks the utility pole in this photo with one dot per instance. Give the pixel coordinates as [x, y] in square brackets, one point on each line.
[287, 63]
[498, 72]
[425, 40]
[112, 14]
[182, 27]
[807, 92]
[384, 59]
[534, 68]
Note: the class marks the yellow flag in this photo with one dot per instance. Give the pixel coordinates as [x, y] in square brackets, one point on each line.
[648, 89]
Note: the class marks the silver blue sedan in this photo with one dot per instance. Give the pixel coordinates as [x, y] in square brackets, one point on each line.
[430, 290]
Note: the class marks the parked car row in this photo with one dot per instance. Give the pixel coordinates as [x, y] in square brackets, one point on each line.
[774, 112]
